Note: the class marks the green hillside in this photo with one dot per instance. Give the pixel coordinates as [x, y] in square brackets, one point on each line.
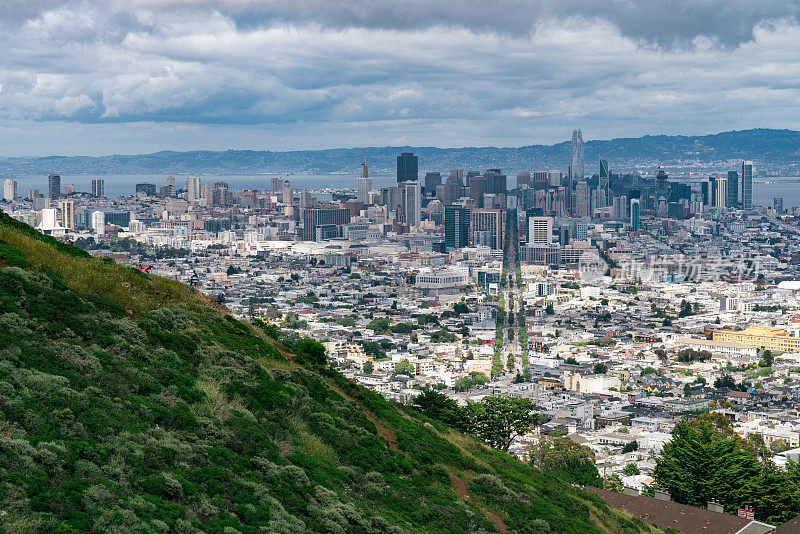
[130, 404]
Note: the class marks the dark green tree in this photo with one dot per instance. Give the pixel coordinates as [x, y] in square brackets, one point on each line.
[498, 420]
[567, 460]
[405, 368]
[440, 407]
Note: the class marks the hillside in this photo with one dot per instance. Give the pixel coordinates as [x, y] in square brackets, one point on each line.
[774, 148]
[130, 404]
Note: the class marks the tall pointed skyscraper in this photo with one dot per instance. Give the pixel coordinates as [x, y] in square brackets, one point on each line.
[576, 155]
[364, 183]
[364, 170]
[575, 168]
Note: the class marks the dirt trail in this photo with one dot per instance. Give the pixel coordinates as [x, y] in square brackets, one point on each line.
[384, 432]
[462, 489]
[600, 523]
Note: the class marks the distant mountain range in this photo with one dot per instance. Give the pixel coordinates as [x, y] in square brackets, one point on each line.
[775, 150]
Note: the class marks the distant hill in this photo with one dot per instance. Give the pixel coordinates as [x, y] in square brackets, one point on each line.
[129, 403]
[774, 148]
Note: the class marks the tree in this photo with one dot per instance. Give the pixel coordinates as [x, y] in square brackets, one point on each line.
[725, 381]
[630, 446]
[498, 420]
[459, 308]
[630, 470]
[549, 309]
[405, 368]
[648, 371]
[566, 460]
[368, 367]
[311, 352]
[347, 321]
[401, 328]
[780, 445]
[379, 325]
[571, 361]
[474, 379]
[440, 407]
[600, 369]
[613, 483]
[707, 460]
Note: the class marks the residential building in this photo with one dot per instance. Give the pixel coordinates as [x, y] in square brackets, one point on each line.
[747, 185]
[487, 227]
[456, 227]
[54, 185]
[9, 189]
[99, 188]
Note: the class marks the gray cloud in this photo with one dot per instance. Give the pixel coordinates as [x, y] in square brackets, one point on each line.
[664, 22]
[482, 72]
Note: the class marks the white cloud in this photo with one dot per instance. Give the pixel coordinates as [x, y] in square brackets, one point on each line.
[448, 73]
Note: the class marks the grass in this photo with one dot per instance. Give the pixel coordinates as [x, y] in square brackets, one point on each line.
[138, 292]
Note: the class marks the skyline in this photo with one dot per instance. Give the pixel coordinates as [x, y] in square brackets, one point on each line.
[90, 78]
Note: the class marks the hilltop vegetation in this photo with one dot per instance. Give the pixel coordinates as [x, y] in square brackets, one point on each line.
[130, 404]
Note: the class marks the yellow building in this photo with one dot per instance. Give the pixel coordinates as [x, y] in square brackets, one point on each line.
[762, 337]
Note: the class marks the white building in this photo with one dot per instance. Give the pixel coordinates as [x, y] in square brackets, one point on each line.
[194, 189]
[449, 277]
[590, 383]
[540, 230]
[98, 222]
[9, 190]
[412, 200]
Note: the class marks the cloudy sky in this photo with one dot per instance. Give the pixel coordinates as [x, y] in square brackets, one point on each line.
[129, 76]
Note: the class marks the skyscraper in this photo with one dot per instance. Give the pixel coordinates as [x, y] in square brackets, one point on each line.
[604, 171]
[604, 183]
[477, 188]
[575, 161]
[721, 193]
[407, 170]
[456, 227]
[288, 193]
[68, 214]
[54, 184]
[581, 199]
[194, 188]
[432, 180]
[364, 168]
[316, 218]
[98, 222]
[540, 230]
[412, 203]
[777, 204]
[523, 178]
[747, 185]
[487, 227]
[733, 190]
[496, 182]
[458, 174]
[364, 183]
[9, 190]
[662, 180]
[98, 188]
[635, 216]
